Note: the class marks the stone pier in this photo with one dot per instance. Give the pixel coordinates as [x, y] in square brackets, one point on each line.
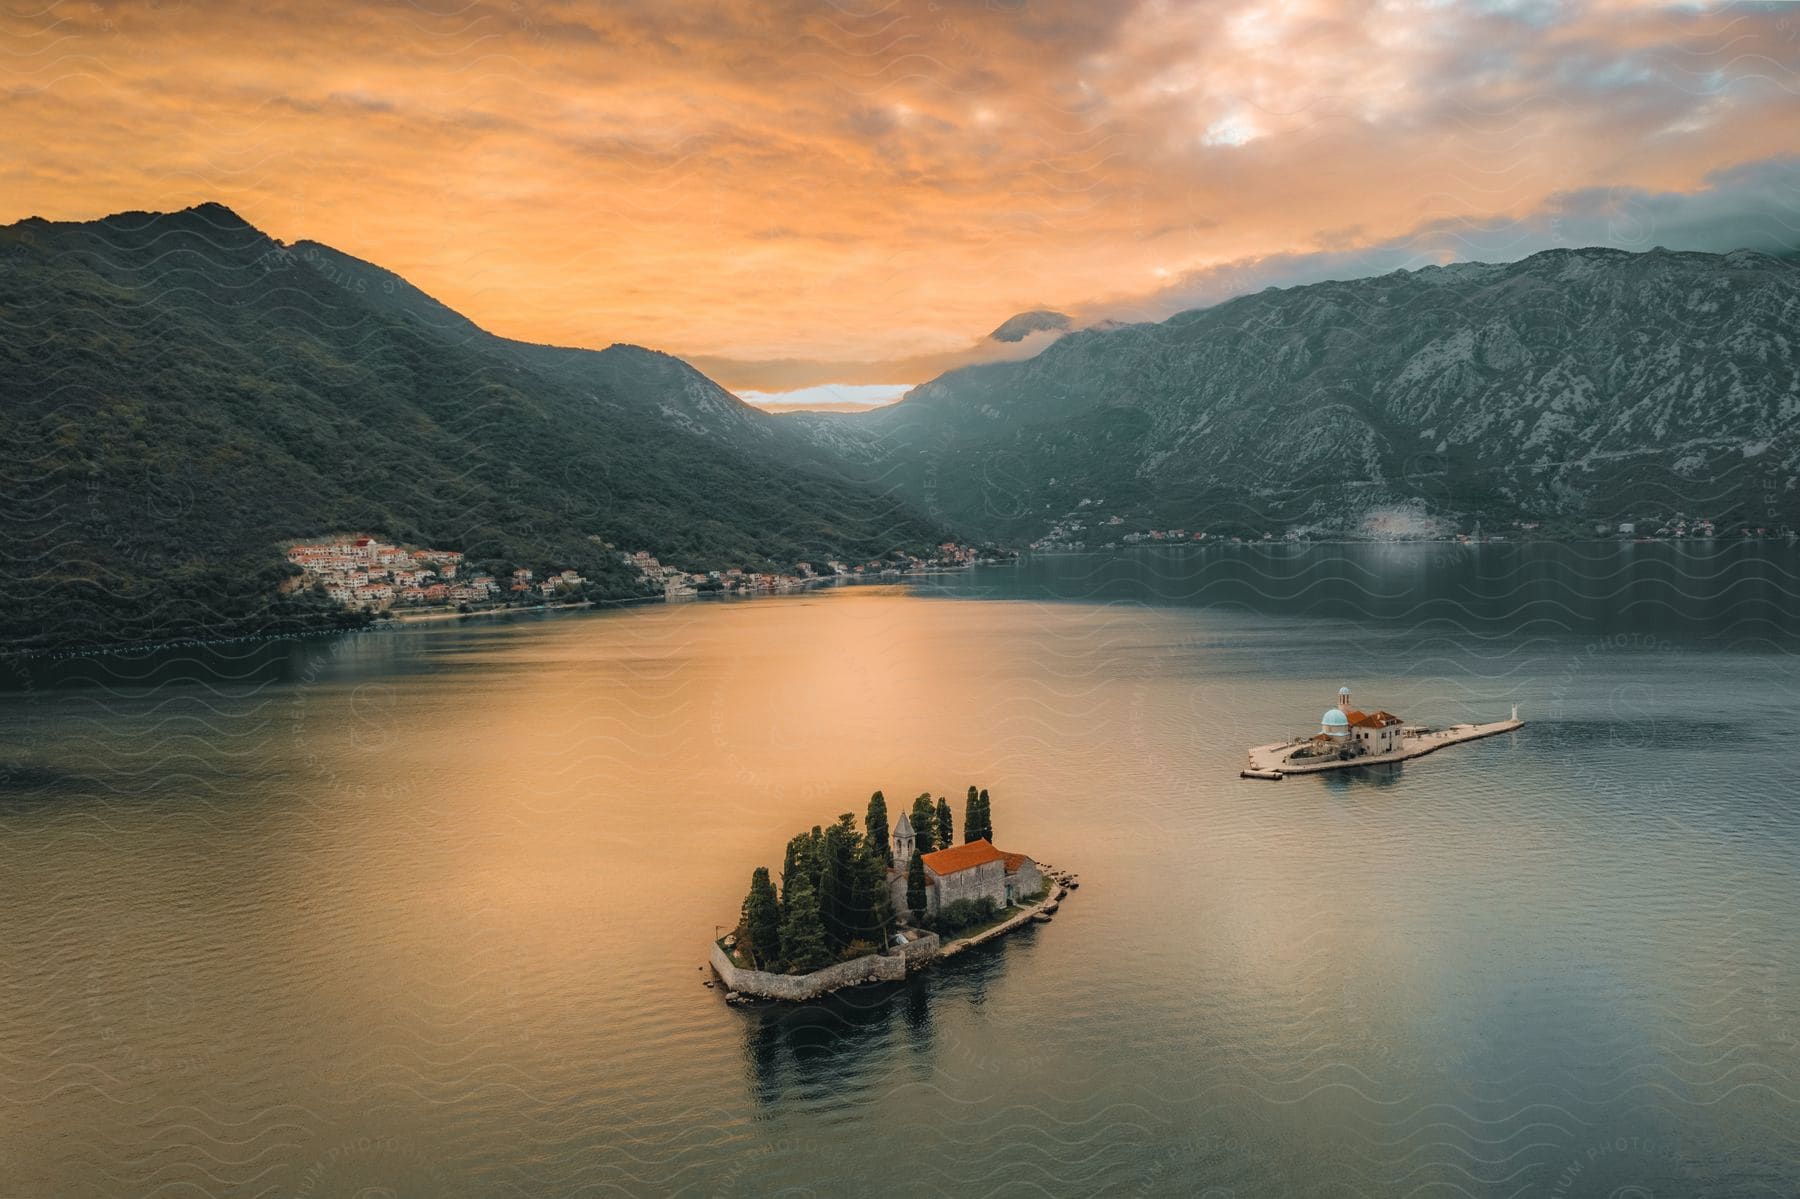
[1277, 761]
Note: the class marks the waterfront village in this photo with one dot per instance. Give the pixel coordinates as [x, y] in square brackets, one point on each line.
[677, 583]
[870, 905]
[1089, 527]
[365, 573]
[361, 572]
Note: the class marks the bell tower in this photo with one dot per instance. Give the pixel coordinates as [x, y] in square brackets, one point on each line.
[904, 842]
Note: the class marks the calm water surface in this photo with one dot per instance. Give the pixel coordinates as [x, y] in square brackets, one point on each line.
[424, 912]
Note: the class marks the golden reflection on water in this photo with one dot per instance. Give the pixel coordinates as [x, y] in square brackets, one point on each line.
[455, 883]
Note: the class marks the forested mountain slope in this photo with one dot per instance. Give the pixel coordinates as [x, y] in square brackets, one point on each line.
[180, 394]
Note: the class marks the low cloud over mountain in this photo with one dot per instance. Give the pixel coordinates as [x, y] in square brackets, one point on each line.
[1742, 207]
[1572, 386]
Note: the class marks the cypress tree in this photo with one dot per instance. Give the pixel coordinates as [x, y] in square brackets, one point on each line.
[915, 889]
[874, 908]
[987, 816]
[924, 822]
[762, 920]
[946, 831]
[802, 934]
[816, 856]
[857, 898]
[971, 816]
[838, 883]
[796, 863]
[875, 826]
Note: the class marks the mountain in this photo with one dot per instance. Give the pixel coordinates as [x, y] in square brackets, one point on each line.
[680, 395]
[1570, 387]
[180, 394]
[1023, 325]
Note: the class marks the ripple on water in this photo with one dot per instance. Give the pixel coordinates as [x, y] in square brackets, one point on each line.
[424, 910]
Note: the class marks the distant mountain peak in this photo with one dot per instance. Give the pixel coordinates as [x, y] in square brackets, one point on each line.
[210, 214]
[1023, 325]
[630, 349]
[217, 213]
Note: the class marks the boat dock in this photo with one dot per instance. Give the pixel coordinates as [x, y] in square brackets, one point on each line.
[1275, 762]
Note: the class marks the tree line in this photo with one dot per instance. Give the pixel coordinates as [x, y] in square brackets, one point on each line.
[833, 903]
[934, 828]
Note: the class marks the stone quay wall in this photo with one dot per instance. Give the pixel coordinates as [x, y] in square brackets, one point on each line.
[920, 951]
[874, 967]
[890, 966]
[1051, 901]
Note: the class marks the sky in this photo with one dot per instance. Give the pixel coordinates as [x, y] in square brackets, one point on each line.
[833, 201]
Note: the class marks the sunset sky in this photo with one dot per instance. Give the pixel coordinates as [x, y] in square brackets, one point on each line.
[854, 194]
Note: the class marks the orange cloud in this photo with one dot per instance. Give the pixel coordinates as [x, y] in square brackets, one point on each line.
[750, 183]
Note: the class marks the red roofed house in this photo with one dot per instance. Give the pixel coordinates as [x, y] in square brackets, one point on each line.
[1375, 732]
[1346, 732]
[972, 870]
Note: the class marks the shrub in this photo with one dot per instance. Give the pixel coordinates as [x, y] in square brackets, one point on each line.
[963, 913]
[856, 949]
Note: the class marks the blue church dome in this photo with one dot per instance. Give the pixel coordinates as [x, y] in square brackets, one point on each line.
[1334, 720]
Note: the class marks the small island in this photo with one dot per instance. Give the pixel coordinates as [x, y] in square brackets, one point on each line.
[871, 905]
[1350, 737]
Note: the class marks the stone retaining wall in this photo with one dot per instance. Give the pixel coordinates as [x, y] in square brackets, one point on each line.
[875, 967]
[918, 952]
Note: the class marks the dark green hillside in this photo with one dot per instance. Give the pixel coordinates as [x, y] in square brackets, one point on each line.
[660, 385]
[179, 394]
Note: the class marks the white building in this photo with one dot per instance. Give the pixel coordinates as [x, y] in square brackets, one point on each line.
[1347, 730]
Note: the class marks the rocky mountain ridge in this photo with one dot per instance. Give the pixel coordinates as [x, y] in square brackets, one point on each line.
[1572, 386]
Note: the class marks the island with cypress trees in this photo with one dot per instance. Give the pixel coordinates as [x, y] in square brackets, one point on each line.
[867, 904]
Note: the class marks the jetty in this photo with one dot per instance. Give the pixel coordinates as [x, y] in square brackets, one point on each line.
[1348, 738]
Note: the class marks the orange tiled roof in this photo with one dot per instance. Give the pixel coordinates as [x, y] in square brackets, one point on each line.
[1014, 861]
[963, 857]
[1374, 720]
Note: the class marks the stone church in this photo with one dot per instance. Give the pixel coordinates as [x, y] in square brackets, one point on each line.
[972, 870]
